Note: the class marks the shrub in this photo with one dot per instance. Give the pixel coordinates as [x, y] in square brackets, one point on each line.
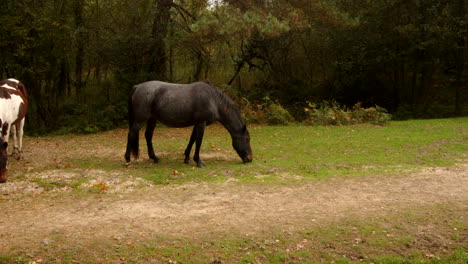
[252, 113]
[277, 115]
[374, 115]
[326, 113]
[267, 112]
[331, 113]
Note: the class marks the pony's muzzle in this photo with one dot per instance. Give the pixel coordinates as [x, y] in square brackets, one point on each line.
[248, 159]
[3, 175]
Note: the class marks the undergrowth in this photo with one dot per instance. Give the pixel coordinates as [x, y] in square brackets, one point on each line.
[322, 114]
[266, 112]
[331, 113]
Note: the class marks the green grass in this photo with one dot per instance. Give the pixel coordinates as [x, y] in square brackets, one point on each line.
[286, 153]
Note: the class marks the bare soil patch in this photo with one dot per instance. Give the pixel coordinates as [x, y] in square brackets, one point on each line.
[210, 209]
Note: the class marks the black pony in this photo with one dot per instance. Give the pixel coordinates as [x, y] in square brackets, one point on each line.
[181, 105]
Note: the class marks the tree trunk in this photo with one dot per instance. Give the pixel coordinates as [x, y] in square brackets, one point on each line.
[171, 56]
[460, 61]
[159, 33]
[62, 82]
[79, 57]
[199, 67]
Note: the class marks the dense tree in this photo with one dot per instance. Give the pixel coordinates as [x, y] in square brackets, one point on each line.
[80, 58]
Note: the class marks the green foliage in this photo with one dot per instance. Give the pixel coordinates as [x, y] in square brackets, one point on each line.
[277, 115]
[331, 113]
[84, 118]
[226, 21]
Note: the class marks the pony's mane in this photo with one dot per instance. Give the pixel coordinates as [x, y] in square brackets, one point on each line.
[223, 98]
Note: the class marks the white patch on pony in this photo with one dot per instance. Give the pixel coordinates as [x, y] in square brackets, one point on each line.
[9, 108]
[13, 80]
[8, 87]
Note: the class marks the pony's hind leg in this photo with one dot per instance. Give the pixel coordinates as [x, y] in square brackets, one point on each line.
[15, 140]
[17, 131]
[150, 126]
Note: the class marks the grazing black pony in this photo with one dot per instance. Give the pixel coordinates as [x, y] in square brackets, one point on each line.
[180, 105]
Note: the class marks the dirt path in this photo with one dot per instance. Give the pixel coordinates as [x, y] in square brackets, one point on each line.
[198, 210]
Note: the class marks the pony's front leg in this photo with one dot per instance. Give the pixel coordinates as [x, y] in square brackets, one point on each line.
[150, 126]
[5, 131]
[200, 130]
[189, 146]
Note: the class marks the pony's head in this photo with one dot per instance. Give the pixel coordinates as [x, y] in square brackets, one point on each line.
[3, 152]
[241, 143]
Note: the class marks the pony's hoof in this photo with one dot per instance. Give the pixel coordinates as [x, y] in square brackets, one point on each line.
[200, 165]
[154, 158]
[128, 164]
[16, 154]
[187, 161]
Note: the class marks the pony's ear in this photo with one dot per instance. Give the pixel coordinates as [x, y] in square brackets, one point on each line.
[4, 129]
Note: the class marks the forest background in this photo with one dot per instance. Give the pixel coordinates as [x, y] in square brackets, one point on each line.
[80, 58]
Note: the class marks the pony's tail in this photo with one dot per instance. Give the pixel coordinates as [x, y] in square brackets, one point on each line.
[131, 115]
[133, 140]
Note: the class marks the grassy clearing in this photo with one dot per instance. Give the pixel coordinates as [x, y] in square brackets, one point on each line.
[281, 153]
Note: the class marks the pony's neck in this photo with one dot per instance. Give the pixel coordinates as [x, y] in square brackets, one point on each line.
[229, 114]
[231, 120]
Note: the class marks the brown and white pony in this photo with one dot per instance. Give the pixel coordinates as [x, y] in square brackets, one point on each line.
[13, 108]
